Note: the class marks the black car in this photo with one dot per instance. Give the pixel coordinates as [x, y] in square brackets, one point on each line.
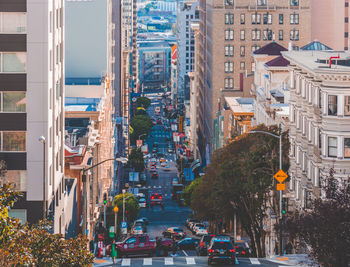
[188, 243]
[242, 249]
[154, 175]
[221, 250]
[202, 248]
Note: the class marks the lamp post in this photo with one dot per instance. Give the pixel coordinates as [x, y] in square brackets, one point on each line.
[280, 165]
[141, 135]
[122, 160]
[124, 198]
[116, 209]
[43, 141]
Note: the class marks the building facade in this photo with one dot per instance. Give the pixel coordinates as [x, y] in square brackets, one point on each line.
[32, 94]
[330, 23]
[187, 13]
[319, 122]
[229, 32]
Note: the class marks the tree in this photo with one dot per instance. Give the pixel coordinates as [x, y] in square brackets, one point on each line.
[326, 227]
[141, 125]
[136, 160]
[239, 180]
[188, 192]
[34, 245]
[144, 102]
[132, 207]
[140, 111]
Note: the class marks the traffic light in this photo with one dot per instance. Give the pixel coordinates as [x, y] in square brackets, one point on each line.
[284, 205]
[104, 198]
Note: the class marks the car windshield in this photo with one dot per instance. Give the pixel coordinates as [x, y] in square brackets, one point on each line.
[142, 200]
[177, 229]
[200, 225]
[202, 228]
[222, 245]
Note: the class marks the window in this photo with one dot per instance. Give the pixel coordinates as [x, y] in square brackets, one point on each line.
[346, 34]
[280, 18]
[131, 240]
[228, 34]
[294, 18]
[13, 62]
[332, 105]
[280, 35]
[242, 18]
[13, 22]
[347, 106]
[12, 101]
[228, 51]
[267, 18]
[294, 2]
[12, 141]
[242, 51]
[229, 18]
[346, 147]
[255, 47]
[228, 67]
[228, 83]
[229, 2]
[242, 35]
[332, 146]
[242, 65]
[294, 35]
[261, 2]
[267, 35]
[255, 35]
[256, 18]
[346, 20]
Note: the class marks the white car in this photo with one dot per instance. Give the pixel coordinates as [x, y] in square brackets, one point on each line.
[201, 231]
[137, 230]
[142, 203]
[196, 225]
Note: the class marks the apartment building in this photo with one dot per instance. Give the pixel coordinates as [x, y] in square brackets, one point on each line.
[187, 13]
[319, 122]
[32, 93]
[330, 23]
[229, 32]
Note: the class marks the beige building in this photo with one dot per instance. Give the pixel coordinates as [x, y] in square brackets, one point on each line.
[319, 122]
[229, 32]
[330, 23]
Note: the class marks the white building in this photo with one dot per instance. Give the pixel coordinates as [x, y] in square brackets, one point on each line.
[319, 121]
[187, 13]
[32, 86]
[167, 6]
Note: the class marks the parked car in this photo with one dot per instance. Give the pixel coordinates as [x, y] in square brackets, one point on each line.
[167, 168]
[189, 222]
[202, 248]
[188, 243]
[140, 245]
[175, 181]
[196, 226]
[142, 203]
[140, 223]
[221, 250]
[176, 232]
[201, 231]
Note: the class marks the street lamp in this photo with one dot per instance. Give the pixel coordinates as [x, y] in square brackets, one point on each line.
[115, 209]
[141, 135]
[43, 141]
[83, 177]
[280, 200]
[124, 198]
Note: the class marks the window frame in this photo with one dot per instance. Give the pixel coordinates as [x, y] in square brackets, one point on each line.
[336, 146]
[329, 112]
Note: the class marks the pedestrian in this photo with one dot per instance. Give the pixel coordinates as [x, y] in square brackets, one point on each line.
[158, 246]
[114, 251]
[174, 247]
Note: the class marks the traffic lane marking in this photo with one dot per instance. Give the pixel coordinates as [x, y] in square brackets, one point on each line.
[190, 260]
[254, 261]
[185, 253]
[147, 261]
[168, 261]
[125, 262]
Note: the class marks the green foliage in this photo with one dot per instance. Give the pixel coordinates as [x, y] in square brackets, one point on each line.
[143, 102]
[188, 192]
[326, 227]
[239, 180]
[136, 160]
[141, 124]
[140, 111]
[132, 207]
[34, 245]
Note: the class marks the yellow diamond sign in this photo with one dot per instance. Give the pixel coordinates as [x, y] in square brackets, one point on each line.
[280, 176]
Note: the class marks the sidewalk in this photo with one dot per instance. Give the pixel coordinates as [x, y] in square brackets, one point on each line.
[105, 261]
[300, 260]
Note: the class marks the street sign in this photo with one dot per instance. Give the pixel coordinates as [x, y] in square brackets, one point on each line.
[281, 187]
[134, 99]
[124, 225]
[139, 143]
[124, 228]
[280, 176]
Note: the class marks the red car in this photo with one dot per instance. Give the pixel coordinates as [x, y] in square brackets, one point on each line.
[140, 245]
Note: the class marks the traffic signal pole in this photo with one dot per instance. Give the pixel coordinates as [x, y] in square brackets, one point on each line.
[281, 214]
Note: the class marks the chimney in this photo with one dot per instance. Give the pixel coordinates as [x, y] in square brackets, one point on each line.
[273, 37]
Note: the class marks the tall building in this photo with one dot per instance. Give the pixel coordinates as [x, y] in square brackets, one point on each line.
[228, 36]
[187, 13]
[330, 23]
[32, 95]
[319, 122]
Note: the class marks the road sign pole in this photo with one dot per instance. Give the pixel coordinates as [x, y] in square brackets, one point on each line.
[281, 222]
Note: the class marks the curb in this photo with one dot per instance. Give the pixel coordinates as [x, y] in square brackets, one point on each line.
[285, 262]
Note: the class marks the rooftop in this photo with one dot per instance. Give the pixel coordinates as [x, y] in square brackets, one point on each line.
[278, 62]
[153, 44]
[271, 49]
[315, 45]
[240, 104]
[318, 61]
[81, 104]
